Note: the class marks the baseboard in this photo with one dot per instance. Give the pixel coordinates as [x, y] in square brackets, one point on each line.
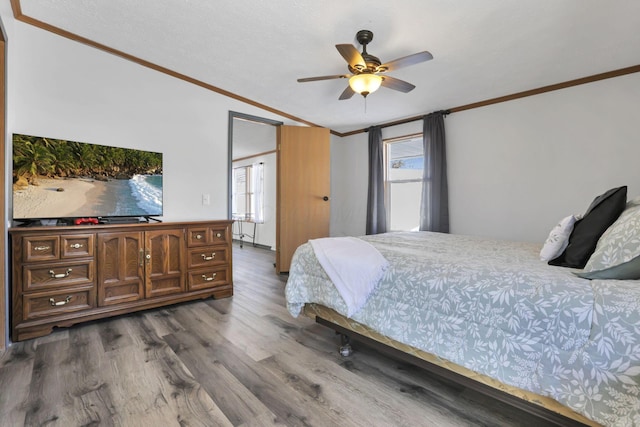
[257, 245]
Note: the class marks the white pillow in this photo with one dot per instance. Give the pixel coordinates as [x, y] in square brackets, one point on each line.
[558, 239]
[620, 243]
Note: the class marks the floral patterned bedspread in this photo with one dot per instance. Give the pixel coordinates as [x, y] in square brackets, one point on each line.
[494, 307]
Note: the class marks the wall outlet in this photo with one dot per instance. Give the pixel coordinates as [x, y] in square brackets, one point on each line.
[206, 200]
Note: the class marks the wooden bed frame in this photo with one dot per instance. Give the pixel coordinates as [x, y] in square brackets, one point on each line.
[539, 406]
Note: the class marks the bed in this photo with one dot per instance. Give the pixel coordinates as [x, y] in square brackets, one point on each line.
[492, 311]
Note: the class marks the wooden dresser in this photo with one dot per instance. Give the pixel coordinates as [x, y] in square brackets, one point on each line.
[65, 275]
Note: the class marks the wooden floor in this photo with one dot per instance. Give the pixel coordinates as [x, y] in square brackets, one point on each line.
[241, 361]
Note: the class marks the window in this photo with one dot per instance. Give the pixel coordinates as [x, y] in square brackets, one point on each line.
[404, 164]
[247, 201]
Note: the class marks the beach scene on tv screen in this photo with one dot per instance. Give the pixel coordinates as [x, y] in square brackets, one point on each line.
[54, 178]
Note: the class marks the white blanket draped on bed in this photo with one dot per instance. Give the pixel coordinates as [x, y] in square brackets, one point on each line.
[353, 265]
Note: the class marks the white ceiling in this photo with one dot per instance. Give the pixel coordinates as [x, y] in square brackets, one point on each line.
[258, 48]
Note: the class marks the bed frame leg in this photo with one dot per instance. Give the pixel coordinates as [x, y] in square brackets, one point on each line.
[345, 346]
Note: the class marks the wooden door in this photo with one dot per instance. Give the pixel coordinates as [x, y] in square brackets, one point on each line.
[165, 266]
[121, 272]
[304, 184]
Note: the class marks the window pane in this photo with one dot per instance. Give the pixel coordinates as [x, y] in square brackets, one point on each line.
[239, 196]
[404, 203]
[405, 159]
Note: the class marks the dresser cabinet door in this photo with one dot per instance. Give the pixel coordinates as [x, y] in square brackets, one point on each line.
[165, 264]
[121, 272]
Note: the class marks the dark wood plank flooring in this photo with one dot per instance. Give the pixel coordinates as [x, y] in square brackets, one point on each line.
[241, 361]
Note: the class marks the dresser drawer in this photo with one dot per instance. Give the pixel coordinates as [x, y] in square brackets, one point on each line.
[208, 278]
[51, 248]
[53, 303]
[40, 248]
[207, 257]
[56, 275]
[76, 246]
[207, 235]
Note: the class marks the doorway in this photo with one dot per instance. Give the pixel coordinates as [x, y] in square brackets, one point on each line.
[252, 179]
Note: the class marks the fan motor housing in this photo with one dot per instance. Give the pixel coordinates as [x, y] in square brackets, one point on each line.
[364, 37]
[371, 61]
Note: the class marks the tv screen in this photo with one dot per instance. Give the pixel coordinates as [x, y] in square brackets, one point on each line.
[54, 178]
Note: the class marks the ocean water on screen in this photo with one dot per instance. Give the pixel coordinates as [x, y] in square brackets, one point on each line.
[138, 196]
[147, 190]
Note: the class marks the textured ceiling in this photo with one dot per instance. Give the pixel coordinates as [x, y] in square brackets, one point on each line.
[257, 49]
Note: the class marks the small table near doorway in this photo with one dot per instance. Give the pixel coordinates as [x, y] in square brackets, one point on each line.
[239, 220]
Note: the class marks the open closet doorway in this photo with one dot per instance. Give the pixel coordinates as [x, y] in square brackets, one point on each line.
[252, 179]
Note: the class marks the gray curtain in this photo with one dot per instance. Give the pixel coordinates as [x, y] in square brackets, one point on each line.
[434, 207]
[376, 213]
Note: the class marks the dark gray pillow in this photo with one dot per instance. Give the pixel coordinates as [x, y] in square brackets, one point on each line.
[602, 212]
[629, 270]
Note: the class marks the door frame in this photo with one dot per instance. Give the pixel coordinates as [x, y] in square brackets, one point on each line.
[4, 296]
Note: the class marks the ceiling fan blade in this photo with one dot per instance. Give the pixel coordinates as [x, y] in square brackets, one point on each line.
[348, 93]
[351, 54]
[405, 61]
[313, 79]
[397, 84]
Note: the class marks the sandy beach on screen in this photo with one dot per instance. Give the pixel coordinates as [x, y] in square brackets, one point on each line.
[45, 201]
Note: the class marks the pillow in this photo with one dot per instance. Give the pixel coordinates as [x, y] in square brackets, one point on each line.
[602, 212]
[558, 239]
[629, 270]
[620, 243]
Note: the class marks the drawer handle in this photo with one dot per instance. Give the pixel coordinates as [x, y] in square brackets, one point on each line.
[41, 248]
[60, 275]
[76, 246]
[218, 235]
[198, 236]
[59, 303]
[208, 258]
[209, 279]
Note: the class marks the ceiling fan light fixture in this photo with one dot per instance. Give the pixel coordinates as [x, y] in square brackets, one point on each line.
[365, 83]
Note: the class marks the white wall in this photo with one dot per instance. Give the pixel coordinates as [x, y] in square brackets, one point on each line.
[517, 167]
[349, 175]
[63, 89]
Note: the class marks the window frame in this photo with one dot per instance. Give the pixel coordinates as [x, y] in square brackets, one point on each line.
[387, 143]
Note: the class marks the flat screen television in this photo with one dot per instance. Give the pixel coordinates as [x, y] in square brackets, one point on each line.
[59, 179]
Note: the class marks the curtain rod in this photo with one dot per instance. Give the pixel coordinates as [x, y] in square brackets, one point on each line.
[403, 121]
[537, 91]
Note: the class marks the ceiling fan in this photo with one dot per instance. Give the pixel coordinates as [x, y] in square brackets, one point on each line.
[367, 71]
